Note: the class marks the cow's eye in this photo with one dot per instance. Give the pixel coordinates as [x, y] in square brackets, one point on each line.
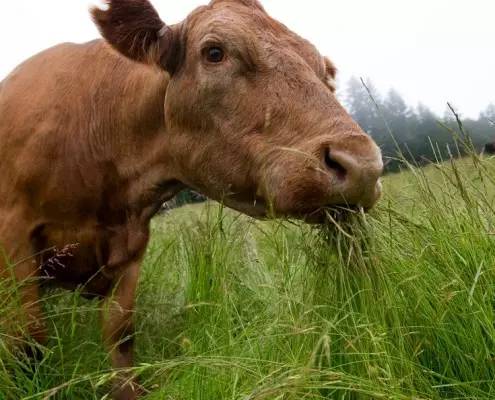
[214, 54]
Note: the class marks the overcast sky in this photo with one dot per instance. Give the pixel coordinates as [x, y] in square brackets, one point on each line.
[431, 51]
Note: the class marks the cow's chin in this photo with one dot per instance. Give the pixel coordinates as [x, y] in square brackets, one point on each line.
[259, 209]
[256, 208]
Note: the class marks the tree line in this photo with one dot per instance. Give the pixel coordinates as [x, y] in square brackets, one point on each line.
[415, 134]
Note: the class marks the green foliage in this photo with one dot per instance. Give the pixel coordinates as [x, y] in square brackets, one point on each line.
[398, 304]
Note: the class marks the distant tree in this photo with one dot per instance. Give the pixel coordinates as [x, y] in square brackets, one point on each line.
[398, 115]
[425, 115]
[361, 106]
[395, 105]
[489, 113]
[433, 137]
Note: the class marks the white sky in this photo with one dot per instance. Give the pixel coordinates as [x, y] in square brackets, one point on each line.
[431, 51]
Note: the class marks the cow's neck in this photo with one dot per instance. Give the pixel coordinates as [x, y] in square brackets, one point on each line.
[136, 141]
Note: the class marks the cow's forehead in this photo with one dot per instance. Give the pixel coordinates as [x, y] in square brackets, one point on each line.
[235, 14]
[248, 3]
[237, 20]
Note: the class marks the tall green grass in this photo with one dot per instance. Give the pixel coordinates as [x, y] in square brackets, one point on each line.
[397, 304]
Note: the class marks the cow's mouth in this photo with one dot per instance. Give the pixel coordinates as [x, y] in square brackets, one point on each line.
[330, 214]
[259, 208]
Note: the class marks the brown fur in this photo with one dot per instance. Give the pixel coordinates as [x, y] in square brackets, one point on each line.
[93, 143]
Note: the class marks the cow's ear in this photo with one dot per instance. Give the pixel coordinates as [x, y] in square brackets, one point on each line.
[134, 28]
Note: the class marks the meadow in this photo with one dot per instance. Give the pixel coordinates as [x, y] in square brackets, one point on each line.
[395, 304]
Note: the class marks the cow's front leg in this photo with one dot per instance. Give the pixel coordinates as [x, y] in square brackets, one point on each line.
[20, 270]
[118, 330]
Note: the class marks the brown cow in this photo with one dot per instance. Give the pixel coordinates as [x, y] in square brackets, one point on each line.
[228, 102]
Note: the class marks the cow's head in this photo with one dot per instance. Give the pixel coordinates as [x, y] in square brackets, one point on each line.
[250, 109]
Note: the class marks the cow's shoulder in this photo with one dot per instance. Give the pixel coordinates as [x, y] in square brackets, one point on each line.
[69, 127]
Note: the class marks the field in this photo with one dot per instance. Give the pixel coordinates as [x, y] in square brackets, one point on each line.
[397, 304]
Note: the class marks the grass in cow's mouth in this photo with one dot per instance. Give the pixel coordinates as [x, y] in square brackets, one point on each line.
[344, 231]
[395, 304]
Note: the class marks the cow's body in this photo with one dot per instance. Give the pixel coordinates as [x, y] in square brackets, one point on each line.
[231, 104]
[64, 182]
[85, 169]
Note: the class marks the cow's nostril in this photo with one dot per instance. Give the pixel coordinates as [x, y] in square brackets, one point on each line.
[334, 165]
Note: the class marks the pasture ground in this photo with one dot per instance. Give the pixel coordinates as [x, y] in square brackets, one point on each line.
[398, 304]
